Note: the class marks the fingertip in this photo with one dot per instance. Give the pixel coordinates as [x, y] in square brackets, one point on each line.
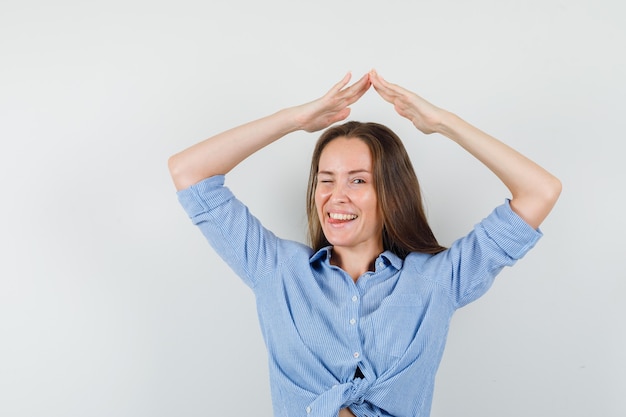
[346, 78]
[344, 81]
[375, 76]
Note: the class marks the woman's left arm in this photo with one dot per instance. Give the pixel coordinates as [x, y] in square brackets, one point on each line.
[534, 190]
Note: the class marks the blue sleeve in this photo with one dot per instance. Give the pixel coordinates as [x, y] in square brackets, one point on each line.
[235, 234]
[469, 266]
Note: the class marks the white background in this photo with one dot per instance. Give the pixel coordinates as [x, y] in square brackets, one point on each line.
[112, 304]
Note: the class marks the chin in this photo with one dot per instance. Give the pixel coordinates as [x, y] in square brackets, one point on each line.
[341, 242]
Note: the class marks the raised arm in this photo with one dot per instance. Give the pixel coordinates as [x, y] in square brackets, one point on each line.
[534, 190]
[221, 153]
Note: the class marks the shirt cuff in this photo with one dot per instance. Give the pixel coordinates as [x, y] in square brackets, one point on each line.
[204, 196]
[510, 232]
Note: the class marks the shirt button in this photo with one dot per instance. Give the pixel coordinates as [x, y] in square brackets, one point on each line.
[356, 354]
[352, 321]
[308, 410]
[354, 298]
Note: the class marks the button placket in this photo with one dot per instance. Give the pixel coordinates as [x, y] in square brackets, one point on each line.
[355, 310]
[353, 320]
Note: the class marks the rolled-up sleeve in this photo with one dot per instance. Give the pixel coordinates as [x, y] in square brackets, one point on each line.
[510, 232]
[236, 235]
[199, 199]
[472, 262]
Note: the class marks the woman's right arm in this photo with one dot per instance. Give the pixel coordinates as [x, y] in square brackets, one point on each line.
[221, 153]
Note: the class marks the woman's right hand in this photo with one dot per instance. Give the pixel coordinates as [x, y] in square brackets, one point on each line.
[333, 106]
[222, 152]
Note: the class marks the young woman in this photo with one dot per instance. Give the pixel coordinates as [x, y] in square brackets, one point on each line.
[356, 323]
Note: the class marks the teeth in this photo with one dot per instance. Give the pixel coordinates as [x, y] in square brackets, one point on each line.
[339, 216]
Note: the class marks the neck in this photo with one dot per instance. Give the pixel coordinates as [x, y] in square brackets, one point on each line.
[355, 262]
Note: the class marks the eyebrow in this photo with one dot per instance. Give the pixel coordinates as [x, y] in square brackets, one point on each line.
[355, 171]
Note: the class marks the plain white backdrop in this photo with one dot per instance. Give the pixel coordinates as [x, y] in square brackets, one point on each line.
[112, 304]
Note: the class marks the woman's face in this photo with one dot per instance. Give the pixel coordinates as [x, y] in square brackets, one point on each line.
[345, 196]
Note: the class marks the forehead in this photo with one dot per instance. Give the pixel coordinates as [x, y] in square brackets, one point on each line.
[345, 154]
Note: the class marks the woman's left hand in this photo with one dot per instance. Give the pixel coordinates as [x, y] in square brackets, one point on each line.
[534, 190]
[425, 116]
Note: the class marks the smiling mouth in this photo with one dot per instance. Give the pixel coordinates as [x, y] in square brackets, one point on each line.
[342, 217]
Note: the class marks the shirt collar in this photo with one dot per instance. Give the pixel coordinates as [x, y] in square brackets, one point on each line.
[387, 257]
[392, 259]
[321, 254]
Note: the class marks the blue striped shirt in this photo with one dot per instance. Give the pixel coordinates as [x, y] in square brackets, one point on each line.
[319, 325]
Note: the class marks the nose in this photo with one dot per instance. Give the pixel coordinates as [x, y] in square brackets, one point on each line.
[339, 192]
